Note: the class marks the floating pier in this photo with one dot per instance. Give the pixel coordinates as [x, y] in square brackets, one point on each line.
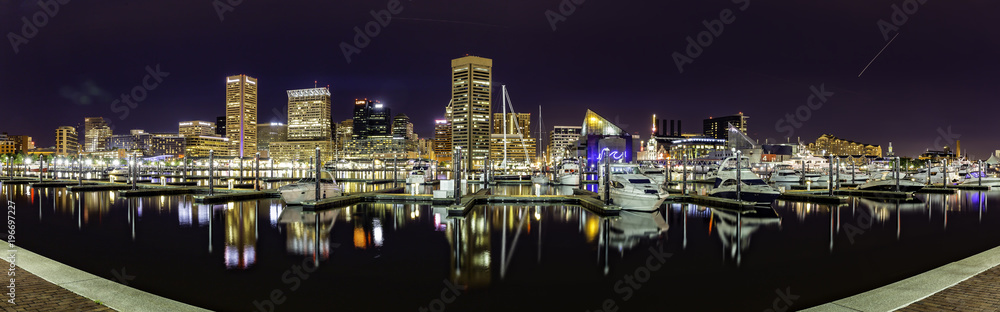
[235, 196]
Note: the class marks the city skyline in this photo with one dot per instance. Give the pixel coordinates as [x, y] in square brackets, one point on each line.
[759, 65]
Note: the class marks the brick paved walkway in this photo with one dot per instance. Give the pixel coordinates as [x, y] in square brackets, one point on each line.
[36, 294]
[979, 293]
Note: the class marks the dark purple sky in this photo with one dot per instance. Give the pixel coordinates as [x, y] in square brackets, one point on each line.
[611, 56]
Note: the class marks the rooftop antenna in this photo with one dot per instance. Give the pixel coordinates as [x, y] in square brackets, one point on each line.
[315, 82]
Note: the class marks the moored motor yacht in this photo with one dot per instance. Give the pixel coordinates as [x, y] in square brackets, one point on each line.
[540, 178]
[751, 187]
[421, 173]
[568, 172]
[305, 189]
[886, 181]
[632, 190]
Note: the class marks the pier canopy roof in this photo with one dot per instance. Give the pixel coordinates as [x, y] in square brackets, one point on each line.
[594, 124]
[994, 159]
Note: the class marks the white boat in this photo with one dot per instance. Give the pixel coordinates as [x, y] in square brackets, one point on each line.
[422, 172]
[852, 175]
[785, 174]
[305, 189]
[540, 178]
[751, 187]
[632, 190]
[568, 172]
[885, 181]
[980, 178]
[935, 175]
[655, 172]
[119, 171]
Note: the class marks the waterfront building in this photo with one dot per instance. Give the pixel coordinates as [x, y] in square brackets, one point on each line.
[515, 135]
[241, 115]
[196, 128]
[301, 151]
[598, 134]
[345, 131]
[268, 133]
[718, 128]
[95, 134]
[309, 115]
[199, 146]
[471, 89]
[442, 140]
[22, 143]
[67, 141]
[829, 145]
[377, 147]
[561, 142]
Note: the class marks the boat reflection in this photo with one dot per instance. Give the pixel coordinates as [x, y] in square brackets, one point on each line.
[735, 228]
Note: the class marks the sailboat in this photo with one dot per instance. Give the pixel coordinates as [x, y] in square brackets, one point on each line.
[504, 164]
[540, 177]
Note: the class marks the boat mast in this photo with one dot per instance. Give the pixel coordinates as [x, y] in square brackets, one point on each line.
[503, 94]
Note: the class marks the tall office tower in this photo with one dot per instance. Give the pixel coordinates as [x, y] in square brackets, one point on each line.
[344, 132]
[402, 128]
[519, 123]
[561, 140]
[196, 128]
[67, 142]
[271, 132]
[471, 78]
[220, 126]
[442, 140]
[718, 128]
[95, 134]
[241, 115]
[371, 119]
[309, 115]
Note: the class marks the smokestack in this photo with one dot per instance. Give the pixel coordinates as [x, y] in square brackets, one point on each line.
[679, 133]
[958, 148]
[671, 127]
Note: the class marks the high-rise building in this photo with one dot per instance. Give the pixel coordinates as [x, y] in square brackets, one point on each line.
[22, 143]
[241, 115]
[95, 134]
[718, 128]
[309, 115]
[371, 119]
[519, 123]
[442, 140]
[220, 126]
[199, 146]
[67, 141]
[561, 141]
[196, 128]
[271, 132]
[402, 128]
[471, 91]
[345, 130]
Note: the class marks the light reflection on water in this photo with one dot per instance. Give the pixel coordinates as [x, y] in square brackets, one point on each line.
[493, 249]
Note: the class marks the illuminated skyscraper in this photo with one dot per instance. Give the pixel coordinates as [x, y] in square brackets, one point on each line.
[67, 143]
[471, 81]
[95, 134]
[442, 140]
[241, 115]
[196, 128]
[309, 115]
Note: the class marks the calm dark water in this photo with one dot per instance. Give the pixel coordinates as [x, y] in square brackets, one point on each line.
[395, 257]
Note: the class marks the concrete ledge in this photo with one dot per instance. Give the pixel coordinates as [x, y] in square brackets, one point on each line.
[905, 292]
[93, 287]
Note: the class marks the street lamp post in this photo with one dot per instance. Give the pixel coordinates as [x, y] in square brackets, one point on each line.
[211, 174]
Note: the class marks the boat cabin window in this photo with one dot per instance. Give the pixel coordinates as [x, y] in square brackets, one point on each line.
[639, 181]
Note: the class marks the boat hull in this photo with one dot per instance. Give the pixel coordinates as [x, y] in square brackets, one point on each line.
[569, 179]
[642, 202]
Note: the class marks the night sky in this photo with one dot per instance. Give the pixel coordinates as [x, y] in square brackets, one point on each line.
[934, 83]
